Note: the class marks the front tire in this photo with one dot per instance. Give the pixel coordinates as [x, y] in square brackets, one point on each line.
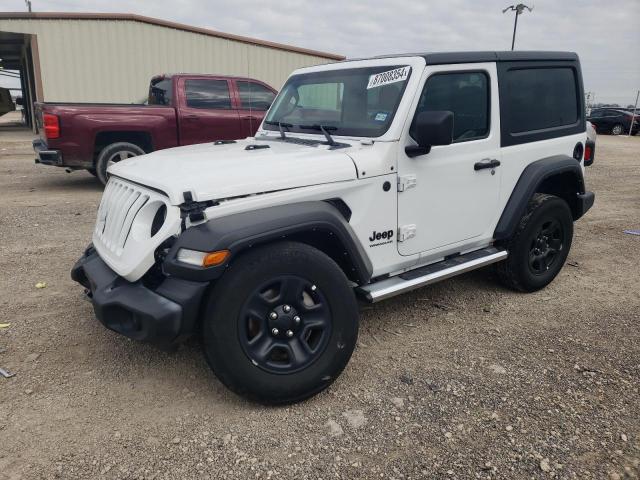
[539, 248]
[112, 154]
[281, 324]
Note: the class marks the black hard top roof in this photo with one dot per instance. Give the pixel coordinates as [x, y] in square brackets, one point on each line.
[440, 58]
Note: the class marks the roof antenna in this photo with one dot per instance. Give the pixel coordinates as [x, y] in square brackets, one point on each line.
[28, 2]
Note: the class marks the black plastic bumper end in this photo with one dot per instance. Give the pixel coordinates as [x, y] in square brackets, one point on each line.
[162, 316]
[585, 202]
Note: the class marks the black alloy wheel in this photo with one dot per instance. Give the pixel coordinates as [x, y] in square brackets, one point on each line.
[285, 324]
[546, 247]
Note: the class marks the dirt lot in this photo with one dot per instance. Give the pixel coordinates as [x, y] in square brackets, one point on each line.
[460, 380]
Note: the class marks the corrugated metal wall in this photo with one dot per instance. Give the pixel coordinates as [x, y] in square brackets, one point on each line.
[113, 60]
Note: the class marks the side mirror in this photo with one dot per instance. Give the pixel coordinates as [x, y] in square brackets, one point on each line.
[431, 128]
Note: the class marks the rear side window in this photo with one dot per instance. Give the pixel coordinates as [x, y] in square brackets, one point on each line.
[466, 94]
[208, 94]
[541, 98]
[255, 96]
[160, 92]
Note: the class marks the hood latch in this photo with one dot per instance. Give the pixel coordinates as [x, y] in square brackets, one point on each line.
[193, 210]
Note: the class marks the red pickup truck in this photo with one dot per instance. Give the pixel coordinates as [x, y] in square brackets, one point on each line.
[181, 109]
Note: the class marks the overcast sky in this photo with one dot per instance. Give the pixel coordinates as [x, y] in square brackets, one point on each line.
[606, 34]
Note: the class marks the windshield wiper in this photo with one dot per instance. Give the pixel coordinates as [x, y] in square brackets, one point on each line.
[324, 129]
[280, 127]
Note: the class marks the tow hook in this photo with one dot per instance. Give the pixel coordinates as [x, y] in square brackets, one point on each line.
[88, 295]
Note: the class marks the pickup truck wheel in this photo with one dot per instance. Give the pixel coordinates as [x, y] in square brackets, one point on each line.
[281, 324]
[540, 246]
[112, 154]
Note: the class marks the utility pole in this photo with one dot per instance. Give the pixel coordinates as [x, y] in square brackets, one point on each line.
[633, 115]
[519, 9]
[587, 101]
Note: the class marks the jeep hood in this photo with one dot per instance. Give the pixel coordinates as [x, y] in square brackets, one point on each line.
[212, 171]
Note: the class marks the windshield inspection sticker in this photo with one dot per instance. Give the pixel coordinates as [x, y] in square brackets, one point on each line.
[392, 76]
[381, 116]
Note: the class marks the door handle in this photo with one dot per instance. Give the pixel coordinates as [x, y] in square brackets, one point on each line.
[191, 117]
[486, 163]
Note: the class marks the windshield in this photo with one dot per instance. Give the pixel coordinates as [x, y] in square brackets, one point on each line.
[358, 102]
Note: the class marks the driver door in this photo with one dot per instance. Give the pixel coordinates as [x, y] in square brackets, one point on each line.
[447, 201]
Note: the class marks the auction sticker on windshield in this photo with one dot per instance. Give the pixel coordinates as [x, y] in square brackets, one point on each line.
[392, 76]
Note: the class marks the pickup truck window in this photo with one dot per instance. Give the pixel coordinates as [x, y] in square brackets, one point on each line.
[357, 102]
[466, 94]
[160, 92]
[208, 94]
[255, 96]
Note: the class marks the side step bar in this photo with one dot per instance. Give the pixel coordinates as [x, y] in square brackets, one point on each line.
[429, 274]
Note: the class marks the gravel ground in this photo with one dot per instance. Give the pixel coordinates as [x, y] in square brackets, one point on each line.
[460, 380]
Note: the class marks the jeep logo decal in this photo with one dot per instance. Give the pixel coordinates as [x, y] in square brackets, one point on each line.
[381, 238]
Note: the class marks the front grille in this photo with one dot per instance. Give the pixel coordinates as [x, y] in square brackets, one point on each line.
[133, 221]
[120, 204]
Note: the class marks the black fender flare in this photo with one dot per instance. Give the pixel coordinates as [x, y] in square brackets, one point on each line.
[240, 231]
[532, 179]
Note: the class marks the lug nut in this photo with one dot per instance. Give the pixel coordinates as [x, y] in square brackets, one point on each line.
[296, 319]
[289, 333]
[286, 309]
[275, 332]
[273, 315]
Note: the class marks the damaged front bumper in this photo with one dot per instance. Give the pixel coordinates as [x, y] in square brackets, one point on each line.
[163, 313]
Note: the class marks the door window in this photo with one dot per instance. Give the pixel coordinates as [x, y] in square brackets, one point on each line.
[208, 94]
[466, 94]
[255, 96]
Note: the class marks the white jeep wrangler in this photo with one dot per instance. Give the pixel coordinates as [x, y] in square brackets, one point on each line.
[368, 178]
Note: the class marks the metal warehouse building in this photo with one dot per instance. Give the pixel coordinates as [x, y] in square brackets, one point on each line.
[87, 57]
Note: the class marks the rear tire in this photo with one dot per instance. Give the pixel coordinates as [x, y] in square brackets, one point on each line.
[283, 359]
[540, 245]
[112, 154]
